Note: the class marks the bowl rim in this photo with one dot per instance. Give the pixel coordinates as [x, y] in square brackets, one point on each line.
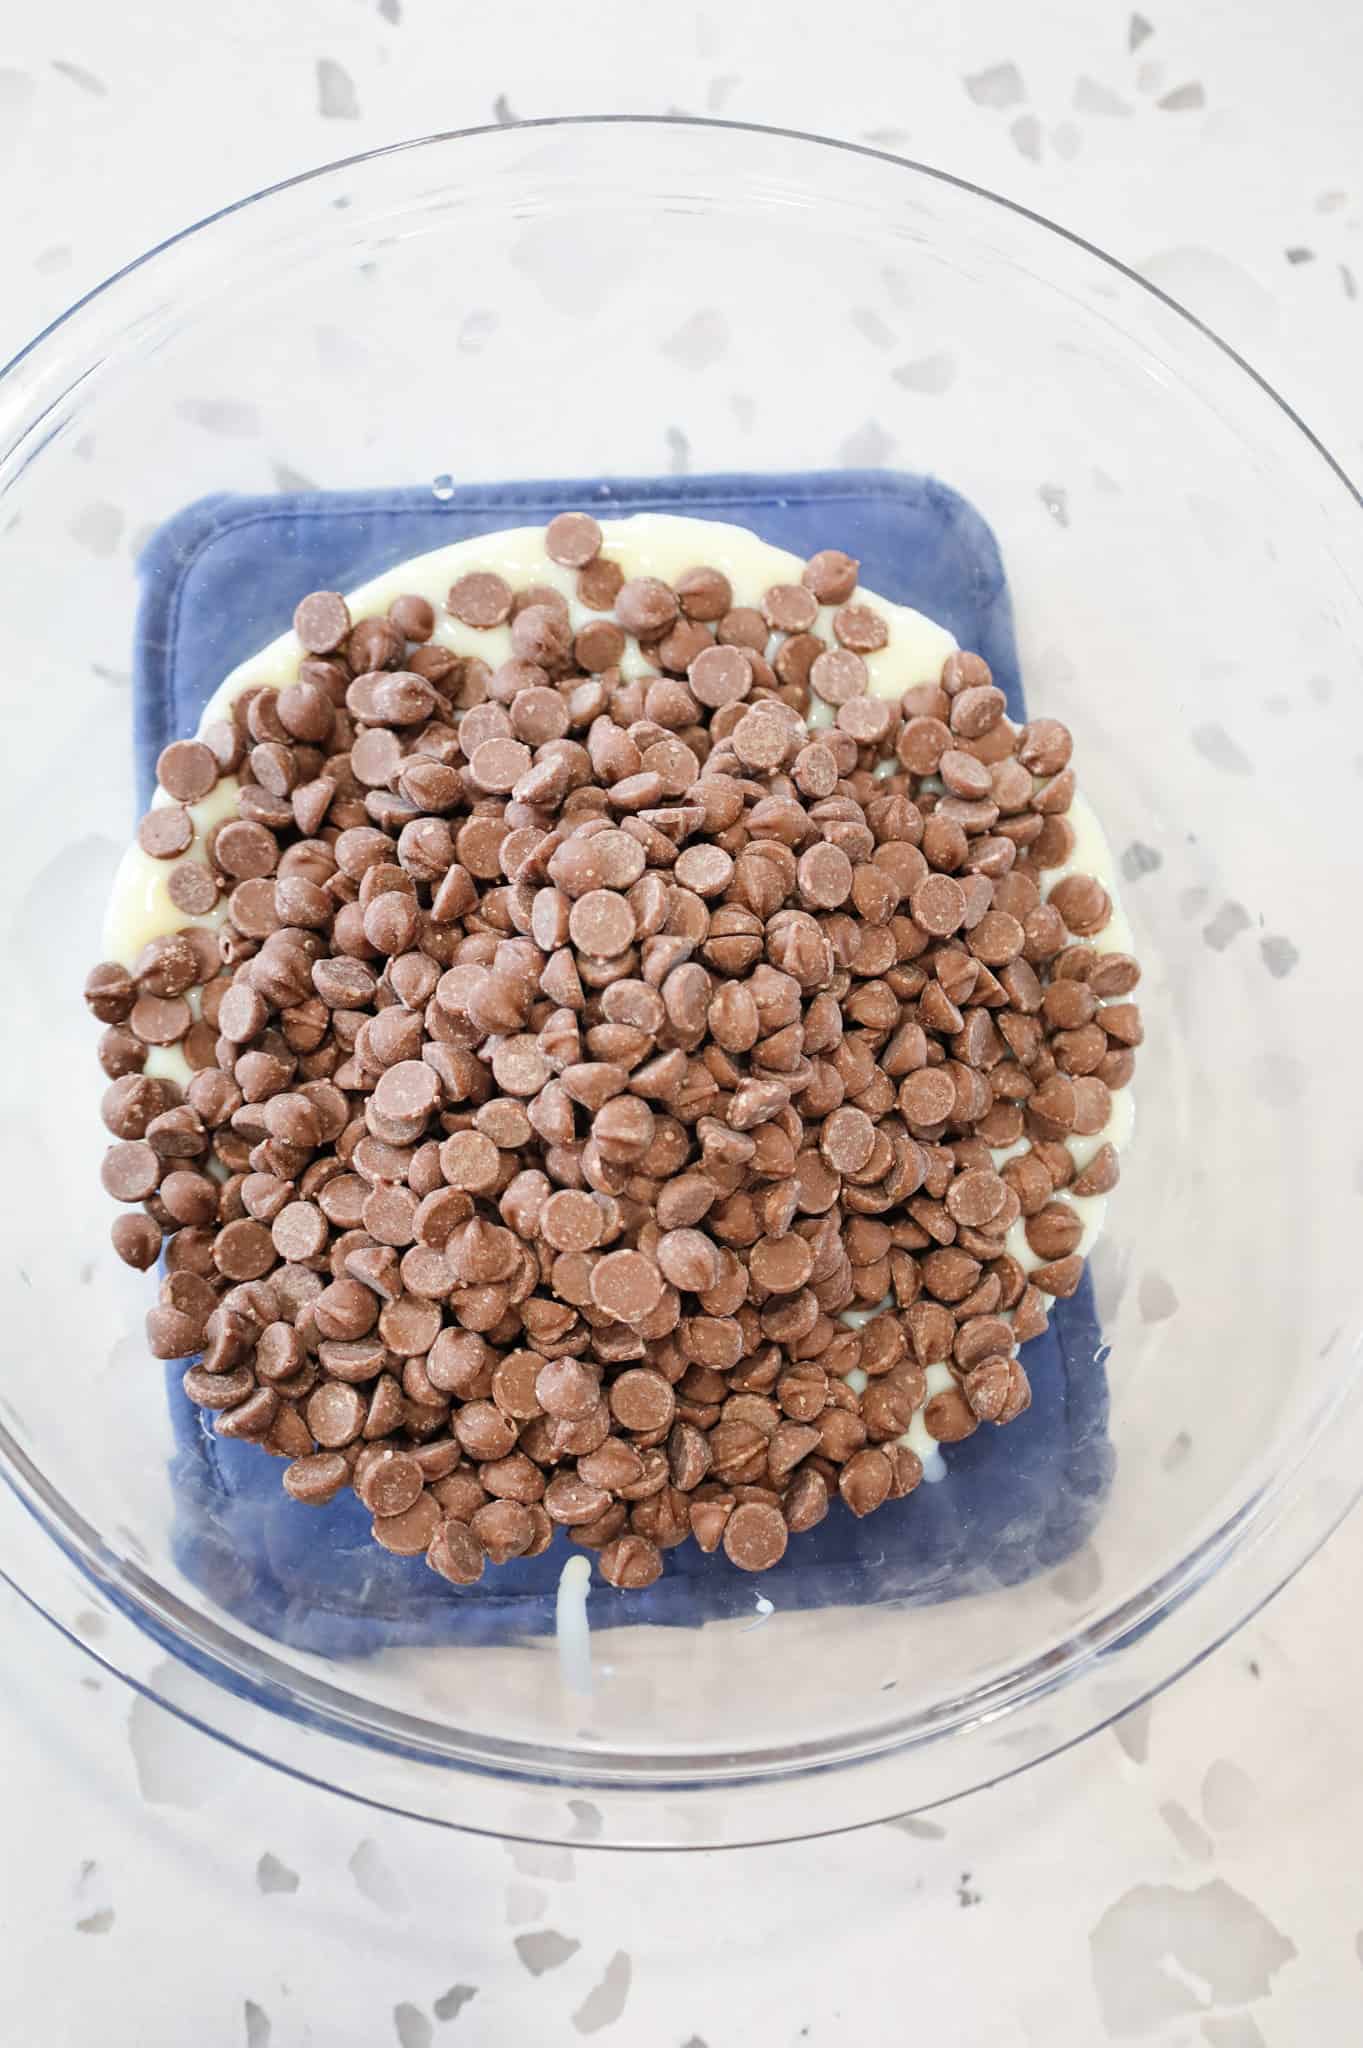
[839, 143]
[209, 1646]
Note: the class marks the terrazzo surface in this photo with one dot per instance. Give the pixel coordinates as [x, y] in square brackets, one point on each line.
[1187, 1877]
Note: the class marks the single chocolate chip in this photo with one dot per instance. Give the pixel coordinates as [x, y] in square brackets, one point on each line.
[626, 1285]
[645, 606]
[642, 1401]
[572, 539]
[831, 575]
[187, 770]
[481, 600]
[755, 1537]
[322, 621]
[166, 831]
[413, 616]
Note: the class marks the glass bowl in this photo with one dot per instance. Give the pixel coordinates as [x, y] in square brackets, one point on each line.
[617, 297]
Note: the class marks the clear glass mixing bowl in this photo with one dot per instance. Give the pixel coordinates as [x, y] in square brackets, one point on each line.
[621, 297]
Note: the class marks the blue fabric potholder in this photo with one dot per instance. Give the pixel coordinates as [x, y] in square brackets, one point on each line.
[219, 581]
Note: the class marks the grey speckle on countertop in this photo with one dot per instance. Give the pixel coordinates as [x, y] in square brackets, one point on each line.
[337, 99]
[998, 86]
[546, 1949]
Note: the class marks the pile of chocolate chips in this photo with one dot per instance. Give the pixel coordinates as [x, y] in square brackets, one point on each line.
[576, 1049]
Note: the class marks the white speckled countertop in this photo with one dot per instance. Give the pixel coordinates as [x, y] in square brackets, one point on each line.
[1188, 1878]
